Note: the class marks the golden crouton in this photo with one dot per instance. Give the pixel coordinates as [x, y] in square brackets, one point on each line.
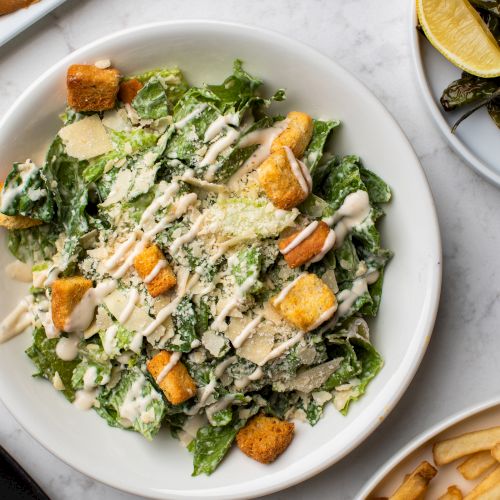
[297, 134]
[265, 438]
[145, 263]
[306, 302]
[128, 90]
[66, 294]
[307, 249]
[178, 386]
[8, 6]
[91, 88]
[17, 221]
[279, 182]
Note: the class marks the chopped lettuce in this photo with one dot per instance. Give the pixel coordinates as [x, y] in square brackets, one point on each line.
[151, 101]
[48, 364]
[34, 244]
[133, 403]
[25, 192]
[211, 445]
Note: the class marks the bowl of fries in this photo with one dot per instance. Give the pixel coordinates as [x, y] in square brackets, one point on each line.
[459, 458]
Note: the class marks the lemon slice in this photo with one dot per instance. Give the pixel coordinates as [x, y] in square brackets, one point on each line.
[459, 33]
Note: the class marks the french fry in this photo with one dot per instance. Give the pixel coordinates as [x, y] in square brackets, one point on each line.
[453, 493]
[487, 488]
[451, 449]
[495, 452]
[415, 485]
[476, 465]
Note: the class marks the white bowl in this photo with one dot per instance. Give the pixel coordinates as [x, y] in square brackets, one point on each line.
[205, 50]
[477, 139]
[386, 480]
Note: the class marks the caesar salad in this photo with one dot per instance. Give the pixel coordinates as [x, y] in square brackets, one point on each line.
[196, 261]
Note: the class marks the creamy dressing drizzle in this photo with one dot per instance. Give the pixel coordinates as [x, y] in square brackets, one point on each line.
[26, 171]
[219, 124]
[353, 211]
[206, 391]
[282, 295]
[159, 202]
[299, 170]
[135, 404]
[302, 236]
[197, 111]
[189, 178]
[89, 378]
[245, 333]
[188, 237]
[215, 149]
[133, 297]
[347, 298]
[139, 240]
[83, 313]
[220, 405]
[174, 359]
[17, 321]
[84, 400]
[324, 316]
[328, 244]
[161, 264]
[109, 339]
[264, 138]
[67, 347]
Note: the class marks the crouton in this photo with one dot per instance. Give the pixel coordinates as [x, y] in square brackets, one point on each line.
[128, 90]
[66, 294]
[284, 187]
[297, 134]
[16, 221]
[306, 302]
[149, 264]
[178, 386]
[91, 88]
[8, 6]
[265, 438]
[312, 246]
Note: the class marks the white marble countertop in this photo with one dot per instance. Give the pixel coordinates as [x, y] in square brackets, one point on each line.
[370, 39]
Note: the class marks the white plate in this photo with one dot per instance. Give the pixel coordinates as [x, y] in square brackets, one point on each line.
[387, 479]
[205, 50]
[12, 24]
[477, 139]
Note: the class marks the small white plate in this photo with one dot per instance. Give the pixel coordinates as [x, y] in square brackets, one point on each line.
[205, 51]
[477, 139]
[12, 24]
[387, 479]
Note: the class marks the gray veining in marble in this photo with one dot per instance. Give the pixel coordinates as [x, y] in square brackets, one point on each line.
[370, 39]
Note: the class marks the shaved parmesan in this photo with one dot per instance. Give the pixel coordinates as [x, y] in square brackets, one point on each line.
[86, 138]
[258, 345]
[310, 379]
[213, 343]
[120, 188]
[137, 321]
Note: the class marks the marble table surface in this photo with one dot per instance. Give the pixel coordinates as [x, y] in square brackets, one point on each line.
[369, 38]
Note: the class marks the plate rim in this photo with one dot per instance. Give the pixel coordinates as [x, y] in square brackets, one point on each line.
[424, 326]
[419, 440]
[479, 166]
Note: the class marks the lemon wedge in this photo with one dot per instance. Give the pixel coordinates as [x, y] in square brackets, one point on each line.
[459, 33]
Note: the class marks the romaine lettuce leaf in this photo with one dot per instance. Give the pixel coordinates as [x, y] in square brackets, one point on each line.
[34, 244]
[172, 78]
[185, 321]
[211, 445]
[25, 192]
[151, 101]
[133, 403]
[43, 354]
[314, 152]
